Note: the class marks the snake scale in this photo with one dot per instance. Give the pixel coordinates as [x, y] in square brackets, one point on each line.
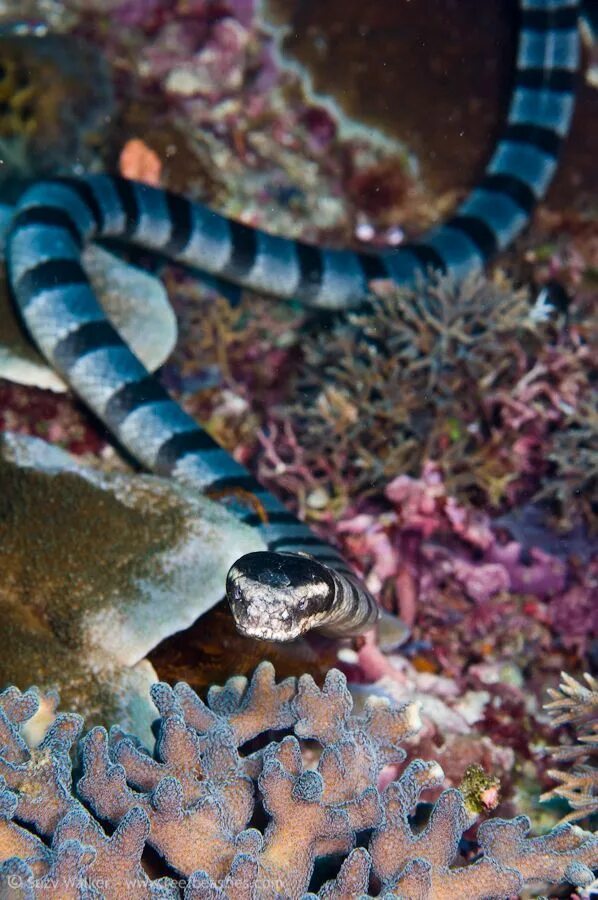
[300, 582]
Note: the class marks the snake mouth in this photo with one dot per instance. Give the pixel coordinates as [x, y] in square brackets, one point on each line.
[278, 596]
[259, 632]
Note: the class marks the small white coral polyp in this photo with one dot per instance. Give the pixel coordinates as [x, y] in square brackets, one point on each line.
[231, 824]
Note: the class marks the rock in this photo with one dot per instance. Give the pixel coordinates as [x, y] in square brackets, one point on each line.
[136, 302]
[95, 570]
[202, 654]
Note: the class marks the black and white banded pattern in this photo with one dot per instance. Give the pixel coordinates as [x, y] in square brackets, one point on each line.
[55, 219]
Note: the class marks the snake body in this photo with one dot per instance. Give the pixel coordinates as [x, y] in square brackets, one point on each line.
[300, 582]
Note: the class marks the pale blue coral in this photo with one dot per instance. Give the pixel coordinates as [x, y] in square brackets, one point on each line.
[193, 800]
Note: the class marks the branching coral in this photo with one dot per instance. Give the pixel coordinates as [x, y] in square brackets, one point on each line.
[574, 454]
[575, 704]
[236, 819]
[464, 376]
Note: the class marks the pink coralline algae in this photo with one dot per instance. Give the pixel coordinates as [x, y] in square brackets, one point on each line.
[232, 819]
[493, 618]
[398, 540]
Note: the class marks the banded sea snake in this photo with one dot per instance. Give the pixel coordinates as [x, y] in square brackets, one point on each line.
[300, 582]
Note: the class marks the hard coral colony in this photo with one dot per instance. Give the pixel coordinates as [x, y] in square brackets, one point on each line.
[232, 819]
[467, 375]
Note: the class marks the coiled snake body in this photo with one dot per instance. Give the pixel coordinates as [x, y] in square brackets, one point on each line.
[300, 582]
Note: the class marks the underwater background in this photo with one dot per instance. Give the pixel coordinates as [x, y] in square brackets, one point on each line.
[452, 456]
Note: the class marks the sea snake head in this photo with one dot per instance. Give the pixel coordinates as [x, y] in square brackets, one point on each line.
[279, 596]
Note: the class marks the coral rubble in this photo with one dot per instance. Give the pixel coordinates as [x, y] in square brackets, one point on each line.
[232, 819]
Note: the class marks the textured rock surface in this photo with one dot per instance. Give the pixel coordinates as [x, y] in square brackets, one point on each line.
[452, 68]
[97, 569]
